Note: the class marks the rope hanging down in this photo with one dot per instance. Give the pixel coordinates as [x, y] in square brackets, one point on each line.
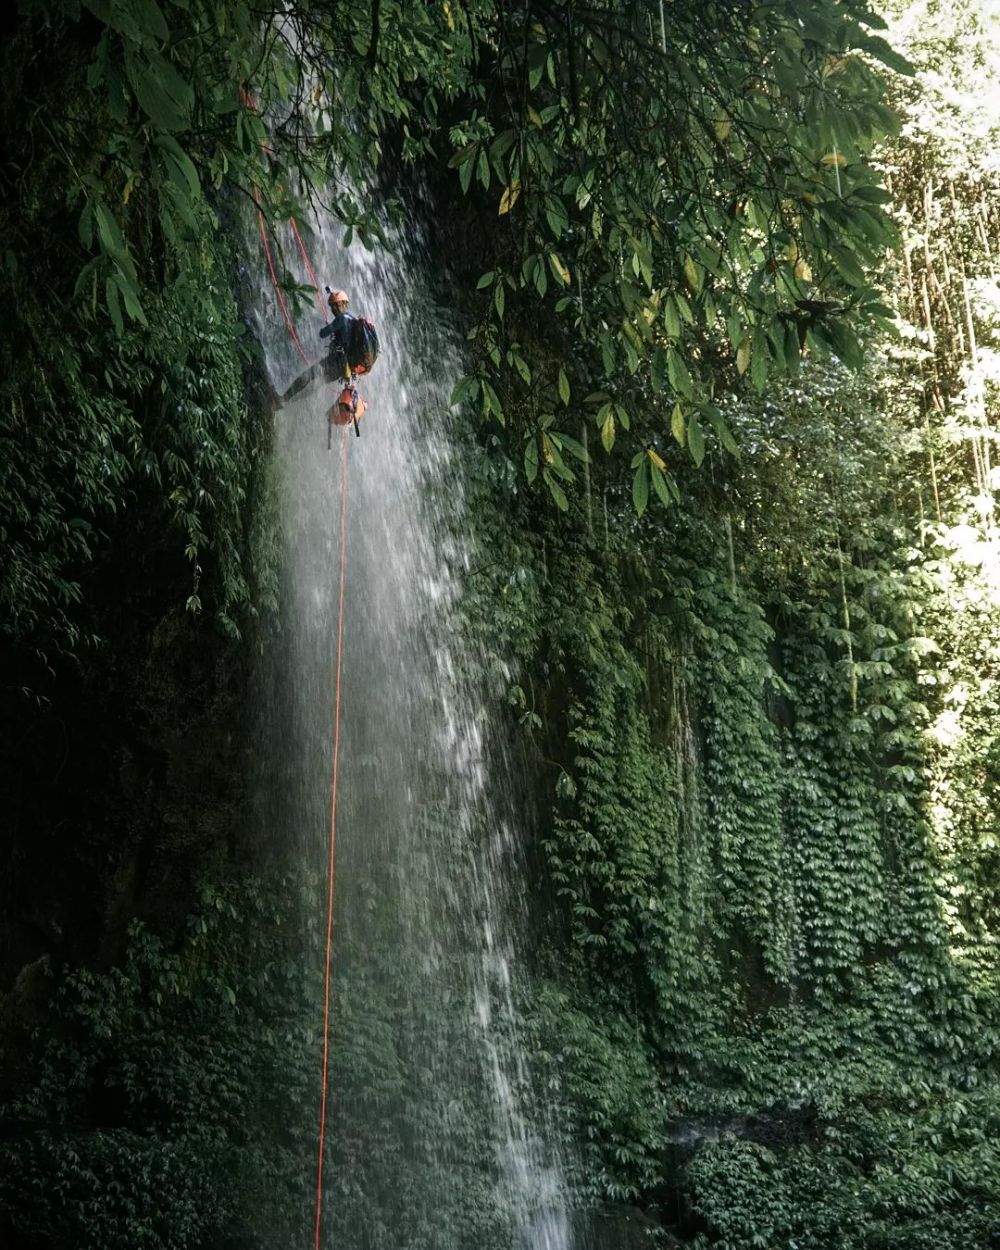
[277, 289]
[248, 103]
[309, 269]
[321, 1149]
[331, 862]
[272, 270]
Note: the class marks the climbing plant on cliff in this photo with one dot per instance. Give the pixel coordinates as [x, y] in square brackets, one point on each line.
[765, 730]
[126, 368]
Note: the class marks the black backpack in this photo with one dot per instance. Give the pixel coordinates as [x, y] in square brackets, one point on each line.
[363, 351]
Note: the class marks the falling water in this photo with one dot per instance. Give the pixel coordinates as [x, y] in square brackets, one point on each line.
[437, 1138]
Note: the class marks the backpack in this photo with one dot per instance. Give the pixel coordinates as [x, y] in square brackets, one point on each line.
[363, 350]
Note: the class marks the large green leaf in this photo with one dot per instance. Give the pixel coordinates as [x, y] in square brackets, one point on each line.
[640, 486]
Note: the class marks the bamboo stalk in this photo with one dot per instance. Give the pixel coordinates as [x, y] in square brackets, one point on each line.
[942, 296]
[911, 291]
[982, 214]
[973, 347]
[928, 318]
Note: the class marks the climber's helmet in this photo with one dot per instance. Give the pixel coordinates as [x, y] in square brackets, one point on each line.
[338, 301]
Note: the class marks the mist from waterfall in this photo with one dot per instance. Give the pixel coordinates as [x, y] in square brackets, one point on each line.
[438, 1140]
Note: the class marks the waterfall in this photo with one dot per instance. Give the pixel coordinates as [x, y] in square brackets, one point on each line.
[437, 1138]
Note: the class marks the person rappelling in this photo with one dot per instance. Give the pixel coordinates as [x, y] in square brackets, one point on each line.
[334, 367]
[352, 351]
[338, 331]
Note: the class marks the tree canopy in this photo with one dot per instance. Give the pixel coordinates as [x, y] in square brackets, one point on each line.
[680, 197]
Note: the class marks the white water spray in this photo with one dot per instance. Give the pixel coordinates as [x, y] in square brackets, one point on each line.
[424, 940]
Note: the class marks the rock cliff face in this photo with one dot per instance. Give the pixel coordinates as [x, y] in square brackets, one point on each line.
[126, 776]
[123, 789]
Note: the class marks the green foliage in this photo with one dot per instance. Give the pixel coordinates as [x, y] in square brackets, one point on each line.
[944, 191]
[766, 759]
[153, 1085]
[888, 1179]
[125, 426]
[160, 420]
[126, 429]
[677, 209]
[605, 1087]
[737, 223]
[172, 1098]
[764, 723]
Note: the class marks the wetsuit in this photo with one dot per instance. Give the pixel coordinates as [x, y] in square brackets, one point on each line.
[338, 331]
[333, 367]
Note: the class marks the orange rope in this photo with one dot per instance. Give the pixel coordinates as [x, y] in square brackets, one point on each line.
[321, 1144]
[333, 842]
[277, 288]
[309, 269]
[247, 101]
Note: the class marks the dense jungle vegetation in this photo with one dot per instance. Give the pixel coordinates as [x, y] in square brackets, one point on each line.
[729, 275]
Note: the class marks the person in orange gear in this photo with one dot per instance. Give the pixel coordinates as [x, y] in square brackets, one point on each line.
[334, 367]
[338, 331]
